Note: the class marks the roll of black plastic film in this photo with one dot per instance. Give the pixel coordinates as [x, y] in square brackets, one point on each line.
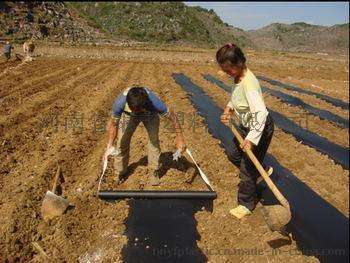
[121, 194]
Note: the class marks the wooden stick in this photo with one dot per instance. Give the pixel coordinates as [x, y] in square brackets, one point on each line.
[262, 171]
[58, 173]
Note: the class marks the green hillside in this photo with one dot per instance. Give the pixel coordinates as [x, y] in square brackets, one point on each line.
[165, 22]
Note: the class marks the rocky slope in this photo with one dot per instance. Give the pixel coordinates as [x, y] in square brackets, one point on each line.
[302, 37]
[44, 20]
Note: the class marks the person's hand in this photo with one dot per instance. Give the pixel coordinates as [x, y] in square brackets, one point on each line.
[246, 145]
[180, 145]
[109, 150]
[225, 118]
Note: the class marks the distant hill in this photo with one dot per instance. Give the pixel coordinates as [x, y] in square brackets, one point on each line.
[302, 37]
[157, 22]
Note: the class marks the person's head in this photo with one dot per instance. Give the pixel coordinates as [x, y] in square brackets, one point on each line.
[138, 100]
[7, 42]
[231, 59]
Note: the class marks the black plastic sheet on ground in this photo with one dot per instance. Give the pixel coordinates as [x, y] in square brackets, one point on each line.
[338, 153]
[336, 102]
[316, 225]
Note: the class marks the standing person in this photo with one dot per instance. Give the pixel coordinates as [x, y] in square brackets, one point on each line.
[255, 124]
[7, 50]
[135, 105]
[28, 48]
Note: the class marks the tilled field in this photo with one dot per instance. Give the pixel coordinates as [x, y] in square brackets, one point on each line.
[54, 111]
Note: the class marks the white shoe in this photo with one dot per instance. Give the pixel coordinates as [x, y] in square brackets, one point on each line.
[240, 211]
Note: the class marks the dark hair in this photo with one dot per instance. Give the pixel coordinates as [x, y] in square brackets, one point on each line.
[232, 54]
[137, 97]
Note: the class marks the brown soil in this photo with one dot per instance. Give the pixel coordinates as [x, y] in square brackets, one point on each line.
[322, 74]
[77, 91]
[312, 100]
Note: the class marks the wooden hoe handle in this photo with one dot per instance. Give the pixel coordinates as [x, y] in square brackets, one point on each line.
[58, 173]
[262, 171]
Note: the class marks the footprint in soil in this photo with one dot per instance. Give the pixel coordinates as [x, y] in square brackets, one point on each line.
[167, 163]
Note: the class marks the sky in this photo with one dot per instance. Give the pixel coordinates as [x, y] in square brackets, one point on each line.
[254, 15]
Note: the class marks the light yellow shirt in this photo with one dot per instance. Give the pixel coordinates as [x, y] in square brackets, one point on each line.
[248, 103]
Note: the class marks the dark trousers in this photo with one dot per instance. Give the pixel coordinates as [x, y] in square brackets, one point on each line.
[248, 175]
